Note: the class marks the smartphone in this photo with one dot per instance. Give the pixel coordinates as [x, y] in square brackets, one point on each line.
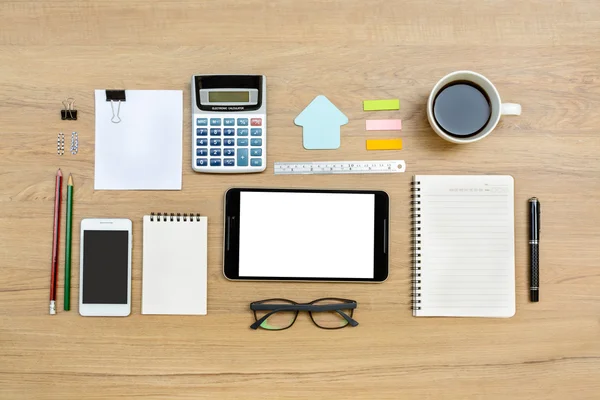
[105, 267]
[306, 235]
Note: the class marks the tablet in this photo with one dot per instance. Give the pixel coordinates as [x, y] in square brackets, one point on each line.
[306, 235]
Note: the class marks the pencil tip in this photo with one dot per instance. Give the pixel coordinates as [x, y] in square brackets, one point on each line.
[70, 183]
[59, 172]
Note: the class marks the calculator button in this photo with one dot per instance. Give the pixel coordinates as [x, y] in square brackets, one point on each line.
[229, 122]
[201, 131]
[229, 162]
[201, 152]
[215, 142]
[229, 152]
[215, 162]
[256, 132]
[215, 152]
[242, 157]
[256, 162]
[201, 121]
[242, 131]
[255, 142]
[201, 142]
[256, 121]
[229, 142]
[215, 131]
[242, 121]
[215, 122]
[256, 152]
[242, 142]
[228, 132]
[201, 162]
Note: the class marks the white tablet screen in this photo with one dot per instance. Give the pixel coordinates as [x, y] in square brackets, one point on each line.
[306, 235]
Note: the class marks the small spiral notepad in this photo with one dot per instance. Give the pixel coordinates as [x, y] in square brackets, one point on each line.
[463, 246]
[174, 264]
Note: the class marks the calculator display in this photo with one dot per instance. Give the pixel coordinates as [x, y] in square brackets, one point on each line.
[228, 97]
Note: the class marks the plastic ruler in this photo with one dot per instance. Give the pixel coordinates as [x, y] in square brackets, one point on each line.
[340, 167]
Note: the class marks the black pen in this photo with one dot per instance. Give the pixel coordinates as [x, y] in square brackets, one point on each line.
[534, 245]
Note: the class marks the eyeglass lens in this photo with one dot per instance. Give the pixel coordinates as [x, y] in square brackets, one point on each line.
[330, 319]
[278, 320]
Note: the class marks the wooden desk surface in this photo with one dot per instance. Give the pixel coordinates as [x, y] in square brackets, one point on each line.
[542, 54]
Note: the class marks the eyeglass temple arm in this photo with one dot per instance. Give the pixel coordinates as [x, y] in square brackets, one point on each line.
[348, 318]
[301, 307]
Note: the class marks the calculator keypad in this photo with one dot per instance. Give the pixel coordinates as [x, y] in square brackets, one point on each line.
[229, 142]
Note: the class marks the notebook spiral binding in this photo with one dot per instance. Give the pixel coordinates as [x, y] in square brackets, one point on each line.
[415, 210]
[164, 217]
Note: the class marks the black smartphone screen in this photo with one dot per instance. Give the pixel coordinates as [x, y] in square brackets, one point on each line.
[105, 267]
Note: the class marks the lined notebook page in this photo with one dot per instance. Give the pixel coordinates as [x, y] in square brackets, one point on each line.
[467, 246]
[174, 266]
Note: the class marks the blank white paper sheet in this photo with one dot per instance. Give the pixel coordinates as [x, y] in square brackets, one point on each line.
[144, 150]
[174, 265]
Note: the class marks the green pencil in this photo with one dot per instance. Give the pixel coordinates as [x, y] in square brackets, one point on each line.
[68, 244]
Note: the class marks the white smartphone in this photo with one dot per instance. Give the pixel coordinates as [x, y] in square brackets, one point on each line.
[105, 267]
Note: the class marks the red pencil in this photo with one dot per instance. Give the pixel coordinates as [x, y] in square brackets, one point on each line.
[54, 266]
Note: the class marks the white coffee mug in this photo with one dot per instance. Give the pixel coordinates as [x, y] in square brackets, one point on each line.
[497, 107]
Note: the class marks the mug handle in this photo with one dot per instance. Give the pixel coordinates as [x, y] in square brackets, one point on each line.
[510, 109]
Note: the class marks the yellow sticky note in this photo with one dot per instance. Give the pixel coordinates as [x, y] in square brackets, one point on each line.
[384, 144]
[381, 105]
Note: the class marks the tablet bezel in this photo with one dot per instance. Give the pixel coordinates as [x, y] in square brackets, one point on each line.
[231, 236]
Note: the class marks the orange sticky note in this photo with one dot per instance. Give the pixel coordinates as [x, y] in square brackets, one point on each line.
[384, 144]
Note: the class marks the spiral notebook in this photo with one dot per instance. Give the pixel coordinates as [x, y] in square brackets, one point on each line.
[463, 246]
[174, 264]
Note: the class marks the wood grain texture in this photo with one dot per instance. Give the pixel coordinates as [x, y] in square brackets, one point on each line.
[542, 54]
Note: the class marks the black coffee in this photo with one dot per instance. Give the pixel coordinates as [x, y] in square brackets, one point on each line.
[462, 109]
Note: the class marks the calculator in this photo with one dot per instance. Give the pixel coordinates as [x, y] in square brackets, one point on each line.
[229, 123]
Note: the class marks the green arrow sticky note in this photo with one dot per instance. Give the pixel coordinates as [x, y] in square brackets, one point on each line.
[381, 105]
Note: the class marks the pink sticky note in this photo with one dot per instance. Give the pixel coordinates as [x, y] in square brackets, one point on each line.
[384, 125]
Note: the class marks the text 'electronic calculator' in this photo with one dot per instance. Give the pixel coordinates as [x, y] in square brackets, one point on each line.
[229, 123]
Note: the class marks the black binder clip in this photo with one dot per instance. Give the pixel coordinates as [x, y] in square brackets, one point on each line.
[118, 96]
[69, 112]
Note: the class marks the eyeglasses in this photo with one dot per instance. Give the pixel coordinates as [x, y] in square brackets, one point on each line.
[280, 314]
